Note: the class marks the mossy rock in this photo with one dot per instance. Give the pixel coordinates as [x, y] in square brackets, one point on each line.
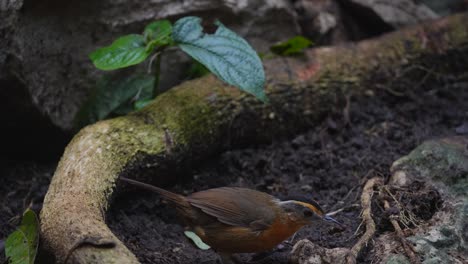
[442, 161]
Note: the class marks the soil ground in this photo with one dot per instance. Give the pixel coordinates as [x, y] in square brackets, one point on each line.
[329, 163]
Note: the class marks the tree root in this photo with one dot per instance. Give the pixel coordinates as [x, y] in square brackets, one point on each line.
[409, 250]
[366, 200]
[204, 116]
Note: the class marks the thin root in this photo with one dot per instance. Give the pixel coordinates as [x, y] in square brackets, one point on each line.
[409, 250]
[366, 200]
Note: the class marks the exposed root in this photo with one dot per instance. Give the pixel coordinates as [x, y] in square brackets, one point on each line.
[366, 200]
[406, 217]
[90, 241]
[409, 250]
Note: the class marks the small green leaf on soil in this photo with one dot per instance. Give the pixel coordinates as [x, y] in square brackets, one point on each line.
[125, 51]
[196, 240]
[21, 245]
[224, 53]
[292, 46]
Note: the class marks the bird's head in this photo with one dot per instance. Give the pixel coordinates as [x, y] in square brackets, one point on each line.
[305, 211]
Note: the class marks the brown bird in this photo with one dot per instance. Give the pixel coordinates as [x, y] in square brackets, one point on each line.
[240, 220]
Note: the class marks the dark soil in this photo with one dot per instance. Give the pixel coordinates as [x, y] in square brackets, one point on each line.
[329, 163]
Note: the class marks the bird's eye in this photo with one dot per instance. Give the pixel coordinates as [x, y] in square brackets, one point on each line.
[308, 213]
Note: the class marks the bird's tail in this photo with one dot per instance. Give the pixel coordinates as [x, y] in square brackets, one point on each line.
[170, 196]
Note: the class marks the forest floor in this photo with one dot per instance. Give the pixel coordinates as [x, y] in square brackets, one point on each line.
[330, 163]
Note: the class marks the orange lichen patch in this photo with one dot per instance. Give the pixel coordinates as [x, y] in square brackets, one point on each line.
[308, 72]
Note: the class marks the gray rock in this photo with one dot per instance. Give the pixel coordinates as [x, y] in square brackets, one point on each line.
[322, 21]
[397, 13]
[398, 259]
[443, 162]
[446, 7]
[445, 242]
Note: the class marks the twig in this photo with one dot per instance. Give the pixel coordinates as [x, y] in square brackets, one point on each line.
[409, 250]
[406, 216]
[358, 228]
[366, 200]
[345, 198]
[342, 209]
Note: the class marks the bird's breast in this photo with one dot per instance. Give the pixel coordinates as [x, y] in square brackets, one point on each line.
[279, 231]
[234, 239]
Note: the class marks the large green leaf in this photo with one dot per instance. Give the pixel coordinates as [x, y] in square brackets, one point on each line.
[224, 53]
[116, 96]
[125, 51]
[21, 245]
[158, 33]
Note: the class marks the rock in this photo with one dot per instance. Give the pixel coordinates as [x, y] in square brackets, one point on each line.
[397, 259]
[321, 21]
[443, 162]
[27, 133]
[306, 252]
[46, 45]
[446, 7]
[396, 13]
[445, 242]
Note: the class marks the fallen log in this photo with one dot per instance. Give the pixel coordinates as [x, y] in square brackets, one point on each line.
[202, 117]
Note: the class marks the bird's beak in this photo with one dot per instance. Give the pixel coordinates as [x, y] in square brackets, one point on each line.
[332, 220]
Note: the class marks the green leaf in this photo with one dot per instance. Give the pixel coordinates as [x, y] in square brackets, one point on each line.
[224, 53]
[158, 33]
[21, 245]
[125, 51]
[196, 240]
[141, 103]
[114, 96]
[292, 46]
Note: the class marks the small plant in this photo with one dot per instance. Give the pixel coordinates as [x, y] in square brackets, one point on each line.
[292, 46]
[21, 245]
[223, 53]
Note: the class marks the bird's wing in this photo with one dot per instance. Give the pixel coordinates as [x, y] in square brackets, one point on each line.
[237, 206]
